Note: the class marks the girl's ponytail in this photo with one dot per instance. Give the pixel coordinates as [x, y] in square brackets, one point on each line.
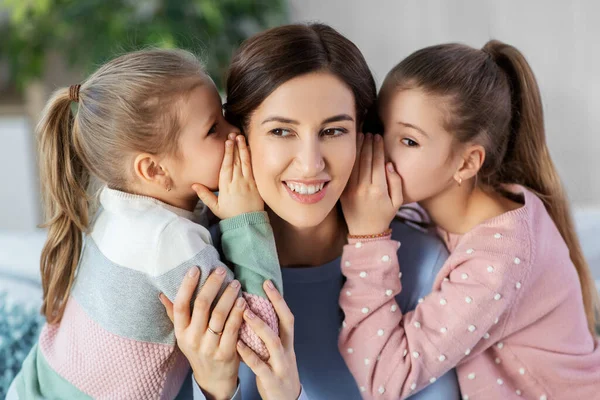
[64, 181]
[527, 162]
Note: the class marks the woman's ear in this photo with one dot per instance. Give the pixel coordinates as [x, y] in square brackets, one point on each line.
[472, 158]
[149, 170]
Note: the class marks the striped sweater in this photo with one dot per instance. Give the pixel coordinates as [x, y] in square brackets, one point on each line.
[115, 339]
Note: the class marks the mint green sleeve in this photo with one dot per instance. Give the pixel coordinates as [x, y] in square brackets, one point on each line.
[248, 243]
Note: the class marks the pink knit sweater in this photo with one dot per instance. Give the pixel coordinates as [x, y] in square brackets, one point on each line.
[505, 309]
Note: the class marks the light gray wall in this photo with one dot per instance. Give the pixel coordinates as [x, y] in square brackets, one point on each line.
[19, 203]
[559, 38]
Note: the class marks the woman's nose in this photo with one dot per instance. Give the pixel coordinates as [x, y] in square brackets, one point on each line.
[309, 159]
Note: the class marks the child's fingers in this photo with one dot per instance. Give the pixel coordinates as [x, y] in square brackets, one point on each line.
[244, 156]
[207, 197]
[249, 357]
[271, 340]
[356, 169]
[394, 183]
[227, 164]
[168, 306]
[181, 307]
[286, 318]
[378, 167]
[366, 159]
[237, 164]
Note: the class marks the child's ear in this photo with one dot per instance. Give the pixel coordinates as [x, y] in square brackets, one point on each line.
[472, 160]
[148, 169]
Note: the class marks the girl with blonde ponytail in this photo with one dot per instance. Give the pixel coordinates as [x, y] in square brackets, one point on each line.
[514, 308]
[149, 127]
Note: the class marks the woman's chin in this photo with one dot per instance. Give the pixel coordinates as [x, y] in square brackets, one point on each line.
[303, 216]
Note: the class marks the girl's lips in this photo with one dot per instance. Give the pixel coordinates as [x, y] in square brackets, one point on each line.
[307, 198]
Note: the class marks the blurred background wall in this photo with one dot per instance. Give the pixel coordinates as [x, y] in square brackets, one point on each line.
[48, 44]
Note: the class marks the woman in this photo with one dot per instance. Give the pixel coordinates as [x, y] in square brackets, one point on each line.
[300, 93]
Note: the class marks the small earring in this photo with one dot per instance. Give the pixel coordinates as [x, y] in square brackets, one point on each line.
[168, 186]
[459, 181]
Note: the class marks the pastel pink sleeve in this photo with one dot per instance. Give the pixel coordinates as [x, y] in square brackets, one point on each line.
[392, 355]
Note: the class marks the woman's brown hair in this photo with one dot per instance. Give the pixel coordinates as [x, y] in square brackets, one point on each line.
[129, 105]
[271, 58]
[493, 99]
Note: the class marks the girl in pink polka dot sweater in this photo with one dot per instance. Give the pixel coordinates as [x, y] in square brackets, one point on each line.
[514, 308]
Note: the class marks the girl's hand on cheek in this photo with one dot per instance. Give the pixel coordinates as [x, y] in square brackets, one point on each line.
[374, 192]
[238, 193]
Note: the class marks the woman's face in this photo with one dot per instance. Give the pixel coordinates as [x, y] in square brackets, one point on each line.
[303, 144]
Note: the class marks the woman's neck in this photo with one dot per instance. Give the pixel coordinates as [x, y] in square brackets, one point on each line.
[460, 209]
[309, 247]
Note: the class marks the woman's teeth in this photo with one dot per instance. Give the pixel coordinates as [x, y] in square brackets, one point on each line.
[305, 189]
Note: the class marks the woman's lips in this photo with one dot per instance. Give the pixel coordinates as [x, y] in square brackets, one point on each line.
[306, 192]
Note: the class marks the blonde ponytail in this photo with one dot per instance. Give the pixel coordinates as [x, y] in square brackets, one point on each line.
[64, 181]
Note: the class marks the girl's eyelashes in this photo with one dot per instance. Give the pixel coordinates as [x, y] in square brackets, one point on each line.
[410, 143]
[213, 129]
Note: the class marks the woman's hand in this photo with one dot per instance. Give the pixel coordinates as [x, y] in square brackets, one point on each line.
[374, 192]
[209, 340]
[276, 378]
[238, 193]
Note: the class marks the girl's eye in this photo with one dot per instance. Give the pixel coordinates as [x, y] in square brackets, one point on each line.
[280, 132]
[410, 142]
[213, 129]
[334, 132]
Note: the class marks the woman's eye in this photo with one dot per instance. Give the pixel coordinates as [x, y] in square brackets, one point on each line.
[334, 132]
[280, 132]
[410, 142]
[213, 129]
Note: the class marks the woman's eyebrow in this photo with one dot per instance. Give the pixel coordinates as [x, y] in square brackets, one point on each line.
[336, 118]
[280, 119]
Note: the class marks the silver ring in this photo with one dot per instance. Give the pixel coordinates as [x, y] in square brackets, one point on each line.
[216, 333]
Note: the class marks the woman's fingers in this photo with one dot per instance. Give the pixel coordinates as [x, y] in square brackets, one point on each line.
[232, 326]
[286, 318]
[218, 317]
[271, 340]
[378, 167]
[249, 357]
[206, 297]
[366, 159]
[168, 306]
[181, 307]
